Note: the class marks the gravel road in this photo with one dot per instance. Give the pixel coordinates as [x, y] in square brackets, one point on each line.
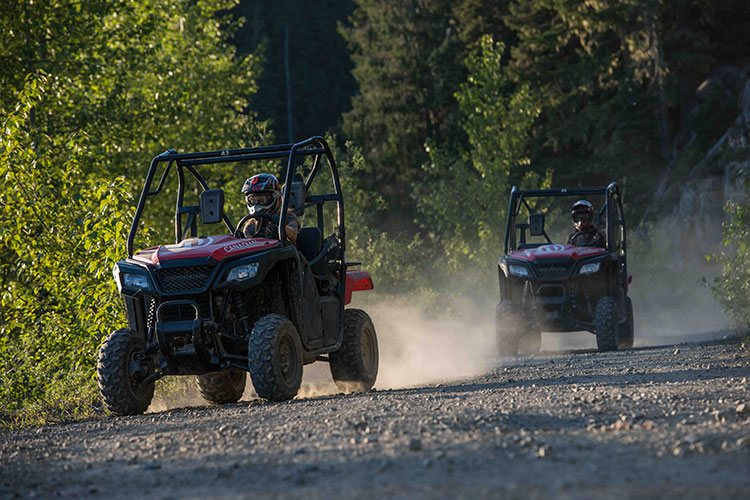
[653, 422]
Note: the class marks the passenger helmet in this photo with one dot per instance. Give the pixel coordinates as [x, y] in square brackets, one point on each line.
[262, 194]
[583, 214]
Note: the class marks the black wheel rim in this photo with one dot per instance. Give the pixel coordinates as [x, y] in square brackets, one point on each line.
[287, 359]
[367, 347]
[132, 367]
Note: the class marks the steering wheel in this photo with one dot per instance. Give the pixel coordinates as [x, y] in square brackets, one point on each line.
[239, 231]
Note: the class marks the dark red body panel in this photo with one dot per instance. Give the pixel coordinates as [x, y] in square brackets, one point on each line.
[357, 280]
[556, 251]
[216, 247]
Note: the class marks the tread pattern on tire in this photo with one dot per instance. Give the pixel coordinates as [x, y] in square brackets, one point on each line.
[627, 329]
[112, 374]
[506, 328]
[606, 324]
[219, 387]
[262, 361]
[347, 368]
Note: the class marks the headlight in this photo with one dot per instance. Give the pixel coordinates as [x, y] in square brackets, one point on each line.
[590, 268]
[135, 281]
[240, 273]
[519, 271]
[131, 281]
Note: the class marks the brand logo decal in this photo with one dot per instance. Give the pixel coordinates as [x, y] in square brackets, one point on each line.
[239, 246]
[550, 248]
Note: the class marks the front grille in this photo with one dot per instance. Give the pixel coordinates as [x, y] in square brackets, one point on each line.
[552, 269]
[185, 312]
[184, 279]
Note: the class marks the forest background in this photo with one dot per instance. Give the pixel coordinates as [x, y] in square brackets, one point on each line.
[436, 109]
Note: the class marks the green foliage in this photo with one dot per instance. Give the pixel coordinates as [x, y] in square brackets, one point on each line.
[595, 69]
[732, 287]
[407, 64]
[122, 81]
[395, 259]
[60, 236]
[465, 198]
[132, 78]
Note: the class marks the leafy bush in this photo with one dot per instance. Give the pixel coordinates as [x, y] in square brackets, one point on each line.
[60, 234]
[465, 198]
[732, 287]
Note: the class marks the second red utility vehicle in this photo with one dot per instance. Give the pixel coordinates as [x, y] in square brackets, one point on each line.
[548, 285]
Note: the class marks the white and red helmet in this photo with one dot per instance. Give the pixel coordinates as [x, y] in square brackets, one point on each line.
[262, 194]
[582, 212]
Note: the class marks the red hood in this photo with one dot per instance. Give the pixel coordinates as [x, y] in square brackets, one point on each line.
[556, 251]
[216, 247]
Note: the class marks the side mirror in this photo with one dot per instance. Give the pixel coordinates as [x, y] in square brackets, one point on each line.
[212, 206]
[297, 198]
[536, 224]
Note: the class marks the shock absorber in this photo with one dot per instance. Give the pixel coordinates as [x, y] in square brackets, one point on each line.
[239, 306]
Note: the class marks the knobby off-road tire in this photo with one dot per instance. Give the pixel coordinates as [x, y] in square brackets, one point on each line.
[507, 328]
[627, 329]
[354, 366]
[114, 375]
[607, 323]
[275, 358]
[222, 387]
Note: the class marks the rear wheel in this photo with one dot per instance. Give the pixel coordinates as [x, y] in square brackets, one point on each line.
[275, 358]
[354, 366]
[118, 373]
[222, 387]
[607, 324]
[507, 328]
[627, 329]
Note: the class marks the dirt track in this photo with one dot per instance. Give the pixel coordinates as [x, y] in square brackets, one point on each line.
[657, 422]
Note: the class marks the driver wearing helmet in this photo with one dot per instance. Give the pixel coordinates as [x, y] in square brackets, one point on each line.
[263, 195]
[586, 233]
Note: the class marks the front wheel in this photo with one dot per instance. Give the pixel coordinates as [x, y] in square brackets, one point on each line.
[354, 366]
[275, 358]
[118, 372]
[222, 387]
[507, 328]
[606, 322]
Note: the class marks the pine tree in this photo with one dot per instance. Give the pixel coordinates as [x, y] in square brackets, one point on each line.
[408, 63]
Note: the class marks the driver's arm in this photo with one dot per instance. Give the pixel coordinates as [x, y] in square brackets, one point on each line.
[291, 230]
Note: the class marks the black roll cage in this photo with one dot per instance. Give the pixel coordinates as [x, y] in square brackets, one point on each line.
[314, 146]
[612, 207]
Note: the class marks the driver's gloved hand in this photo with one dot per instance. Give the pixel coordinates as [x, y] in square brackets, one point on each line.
[275, 219]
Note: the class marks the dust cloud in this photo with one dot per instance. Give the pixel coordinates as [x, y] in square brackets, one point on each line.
[175, 392]
[416, 349]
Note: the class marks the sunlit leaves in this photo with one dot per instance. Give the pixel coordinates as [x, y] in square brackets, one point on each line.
[62, 232]
[732, 287]
[466, 199]
[115, 83]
